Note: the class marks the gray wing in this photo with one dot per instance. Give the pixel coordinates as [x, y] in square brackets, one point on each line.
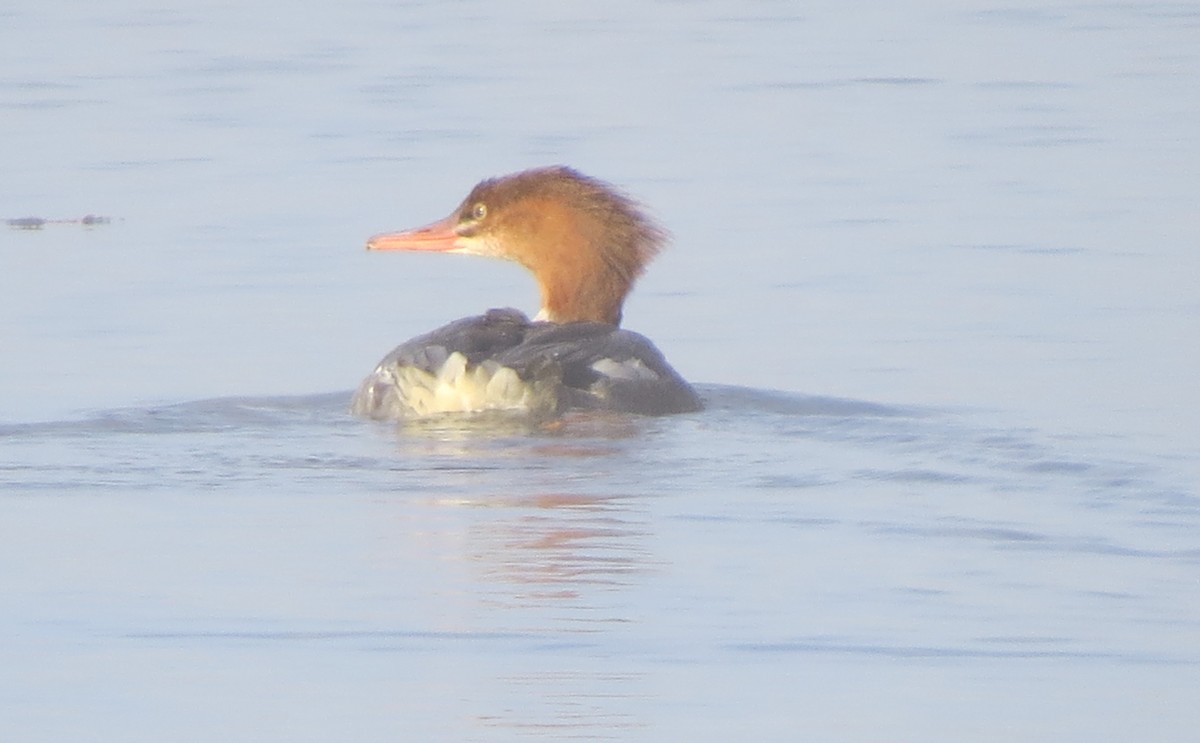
[604, 367]
[578, 365]
[477, 338]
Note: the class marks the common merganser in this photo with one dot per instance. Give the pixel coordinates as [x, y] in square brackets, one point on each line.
[585, 244]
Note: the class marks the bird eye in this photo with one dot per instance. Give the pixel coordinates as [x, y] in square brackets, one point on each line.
[479, 211]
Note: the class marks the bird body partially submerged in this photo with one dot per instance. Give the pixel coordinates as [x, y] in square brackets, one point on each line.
[503, 361]
[585, 244]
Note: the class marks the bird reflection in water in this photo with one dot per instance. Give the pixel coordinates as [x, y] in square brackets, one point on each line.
[559, 546]
[544, 553]
[571, 704]
[564, 558]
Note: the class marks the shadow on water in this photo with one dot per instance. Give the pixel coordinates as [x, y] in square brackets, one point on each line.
[731, 399]
[576, 484]
[743, 435]
[231, 413]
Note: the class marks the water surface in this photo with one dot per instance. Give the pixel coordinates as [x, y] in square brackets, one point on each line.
[933, 270]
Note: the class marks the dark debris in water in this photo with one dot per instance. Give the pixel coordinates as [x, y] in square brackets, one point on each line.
[37, 223]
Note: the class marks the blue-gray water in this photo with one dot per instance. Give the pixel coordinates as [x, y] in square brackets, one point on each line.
[934, 272]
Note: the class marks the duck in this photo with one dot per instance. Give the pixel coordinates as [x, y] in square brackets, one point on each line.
[586, 243]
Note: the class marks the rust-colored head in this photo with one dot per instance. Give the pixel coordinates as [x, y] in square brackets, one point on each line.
[584, 241]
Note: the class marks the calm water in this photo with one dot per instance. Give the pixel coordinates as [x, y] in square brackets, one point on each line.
[935, 272]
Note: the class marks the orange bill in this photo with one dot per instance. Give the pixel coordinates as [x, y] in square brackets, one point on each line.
[437, 237]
